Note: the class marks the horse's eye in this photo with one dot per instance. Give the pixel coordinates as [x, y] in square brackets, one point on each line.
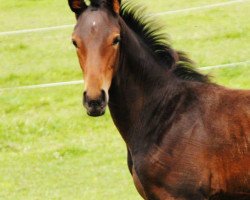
[117, 40]
[74, 43]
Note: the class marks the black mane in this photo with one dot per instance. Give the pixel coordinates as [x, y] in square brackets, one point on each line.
[152, 33]
[149, 30]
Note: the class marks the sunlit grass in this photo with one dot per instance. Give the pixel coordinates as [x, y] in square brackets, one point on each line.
[49, 148]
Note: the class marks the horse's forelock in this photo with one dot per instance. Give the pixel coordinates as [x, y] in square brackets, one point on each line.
[113, 5]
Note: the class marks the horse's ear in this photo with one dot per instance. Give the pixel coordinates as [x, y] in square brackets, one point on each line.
[116, 4]
[77, 6]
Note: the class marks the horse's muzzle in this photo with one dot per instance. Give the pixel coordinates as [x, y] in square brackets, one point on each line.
[95, 107]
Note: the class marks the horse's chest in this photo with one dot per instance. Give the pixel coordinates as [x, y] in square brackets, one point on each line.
[163, 177]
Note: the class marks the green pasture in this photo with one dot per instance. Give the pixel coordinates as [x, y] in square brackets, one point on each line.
[49, 147]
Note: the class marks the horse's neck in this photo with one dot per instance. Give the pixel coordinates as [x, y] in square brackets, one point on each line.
[125, 103]
[139, 93]
[139, 113]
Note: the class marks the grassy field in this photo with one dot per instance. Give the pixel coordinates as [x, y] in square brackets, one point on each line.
[49, 148]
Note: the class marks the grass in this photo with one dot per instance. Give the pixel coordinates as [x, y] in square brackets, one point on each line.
[49, 148]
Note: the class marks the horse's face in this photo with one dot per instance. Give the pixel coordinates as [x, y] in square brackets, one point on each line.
[96, 37]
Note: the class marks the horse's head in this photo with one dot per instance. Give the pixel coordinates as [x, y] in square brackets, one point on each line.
[96, 37]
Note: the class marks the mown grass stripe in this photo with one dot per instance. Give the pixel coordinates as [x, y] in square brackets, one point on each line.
[198, 8]
[186, 10]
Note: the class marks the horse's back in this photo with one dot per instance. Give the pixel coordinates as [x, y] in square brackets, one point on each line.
[226, 114]
[226, 122]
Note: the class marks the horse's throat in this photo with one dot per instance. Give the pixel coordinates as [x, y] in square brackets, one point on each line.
[126, 105]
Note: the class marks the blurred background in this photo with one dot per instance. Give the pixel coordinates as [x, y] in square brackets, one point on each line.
[49, 147]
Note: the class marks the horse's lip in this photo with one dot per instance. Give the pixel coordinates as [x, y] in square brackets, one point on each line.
[96, 113]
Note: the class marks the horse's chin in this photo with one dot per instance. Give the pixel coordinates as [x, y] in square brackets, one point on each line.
[96, 113]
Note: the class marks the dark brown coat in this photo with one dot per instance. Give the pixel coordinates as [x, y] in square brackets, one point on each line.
[187, 138]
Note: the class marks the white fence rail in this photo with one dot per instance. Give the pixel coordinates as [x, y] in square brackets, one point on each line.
[77, 82]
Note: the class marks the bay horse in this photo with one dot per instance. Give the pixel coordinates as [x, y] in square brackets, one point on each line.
[187, 138]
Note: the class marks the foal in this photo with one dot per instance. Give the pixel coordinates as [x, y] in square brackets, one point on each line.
[187, 138]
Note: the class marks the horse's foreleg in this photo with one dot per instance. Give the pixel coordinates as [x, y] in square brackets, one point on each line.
[137, 182]
[129, 161]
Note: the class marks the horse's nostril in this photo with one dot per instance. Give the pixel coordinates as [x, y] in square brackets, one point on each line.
[96, 103]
